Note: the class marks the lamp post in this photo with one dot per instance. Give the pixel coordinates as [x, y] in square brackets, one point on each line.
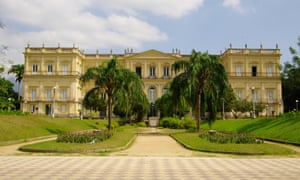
[297, 105]
[53, 106]
[253, 101]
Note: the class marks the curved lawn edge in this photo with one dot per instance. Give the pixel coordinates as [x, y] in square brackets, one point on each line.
[214, 151]
[24, 149]
[6, 143]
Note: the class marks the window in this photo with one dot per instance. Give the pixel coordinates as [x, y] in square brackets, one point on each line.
[64, 94]
[152, 71]
[164, 91]
[32, 108]
[138, 71]
[269, 71]
[33, 94]
[50, 68]
[63, 108]
[239, 94]
[270, 96]
[166, 71]
[238, 70]
[34, 68]
[48, 94]
[65, 69]
[152, 94]
[254, 71]
[254, 96]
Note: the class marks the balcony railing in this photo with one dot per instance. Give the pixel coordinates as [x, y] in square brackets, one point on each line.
[60, 73]
[253, 74]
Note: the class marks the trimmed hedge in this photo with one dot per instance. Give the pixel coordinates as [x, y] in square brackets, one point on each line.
[175, 123]
[84, 137]
[222, 138]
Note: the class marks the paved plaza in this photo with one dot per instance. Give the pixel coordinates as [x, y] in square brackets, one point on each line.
[149, 157]
[87, 167]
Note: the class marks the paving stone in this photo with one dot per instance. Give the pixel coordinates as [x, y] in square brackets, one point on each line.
[86, 167]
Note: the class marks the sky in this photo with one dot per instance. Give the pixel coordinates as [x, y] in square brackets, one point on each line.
[203, 25]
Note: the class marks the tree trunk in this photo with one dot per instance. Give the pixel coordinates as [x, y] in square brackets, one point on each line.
[19, 90]
[109, 111]
[197, 109]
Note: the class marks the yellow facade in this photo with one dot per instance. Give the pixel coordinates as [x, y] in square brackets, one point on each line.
[254, 75]
[51, 82]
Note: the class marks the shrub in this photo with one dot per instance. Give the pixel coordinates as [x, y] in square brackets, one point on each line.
[84, 137]
[222, 138]
[175, 123]
[141, 124]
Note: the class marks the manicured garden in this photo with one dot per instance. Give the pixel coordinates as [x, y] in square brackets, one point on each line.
[239, 136]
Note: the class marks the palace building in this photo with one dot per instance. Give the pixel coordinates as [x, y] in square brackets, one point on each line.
[51, 82]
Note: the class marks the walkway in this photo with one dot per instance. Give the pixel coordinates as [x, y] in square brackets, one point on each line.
[150, 157]
[87, 167]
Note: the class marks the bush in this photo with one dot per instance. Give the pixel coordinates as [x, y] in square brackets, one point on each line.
[175, 123]
[114, 125]
[141, 124]
[222, 138]
[84, 137]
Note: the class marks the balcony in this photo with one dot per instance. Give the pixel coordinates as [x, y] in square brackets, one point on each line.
[54, 73]
[250, 74]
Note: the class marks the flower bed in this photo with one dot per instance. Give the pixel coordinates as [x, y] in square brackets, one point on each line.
[93, 136]
[222, 138]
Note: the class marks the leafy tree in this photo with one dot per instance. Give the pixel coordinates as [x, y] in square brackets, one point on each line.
[130, 97]
[7, 95]
[120, 85]
[108, 78]
[94, 100]
[18, 70]
[290, 78]
[206, 80]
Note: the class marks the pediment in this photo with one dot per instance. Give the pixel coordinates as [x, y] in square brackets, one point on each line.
[152, 54]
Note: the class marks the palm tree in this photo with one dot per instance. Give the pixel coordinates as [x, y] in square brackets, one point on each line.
[108, 78]
[130, 94]
[18, 70]
[202, 72]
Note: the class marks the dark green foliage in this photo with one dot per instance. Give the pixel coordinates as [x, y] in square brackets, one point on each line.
[175, 123]
[202, 82]
[290, 78]
[222, 138]
[7, 95]
[93, 136]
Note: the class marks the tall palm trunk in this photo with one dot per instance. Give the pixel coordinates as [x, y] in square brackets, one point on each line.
[109, 96]
[19, 84]
[197, 109]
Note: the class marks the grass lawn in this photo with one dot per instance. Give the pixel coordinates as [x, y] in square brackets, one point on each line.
[122, 136]
[193, 141]
[286, 127]
[22, 127]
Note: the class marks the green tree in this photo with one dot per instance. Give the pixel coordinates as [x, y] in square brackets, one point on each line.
[290, 78]
[7, 95]
[107, 77]
[206, 78]
[94, 100]
[18, 70]
[130, 97]
[121, 86]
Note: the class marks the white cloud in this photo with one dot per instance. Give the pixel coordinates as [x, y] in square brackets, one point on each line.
[89, 24]
[174, 8]
[234, 4]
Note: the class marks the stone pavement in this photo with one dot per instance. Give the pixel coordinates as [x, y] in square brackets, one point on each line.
[113, 167]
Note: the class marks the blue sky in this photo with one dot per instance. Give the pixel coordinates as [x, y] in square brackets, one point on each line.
[204, 25]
